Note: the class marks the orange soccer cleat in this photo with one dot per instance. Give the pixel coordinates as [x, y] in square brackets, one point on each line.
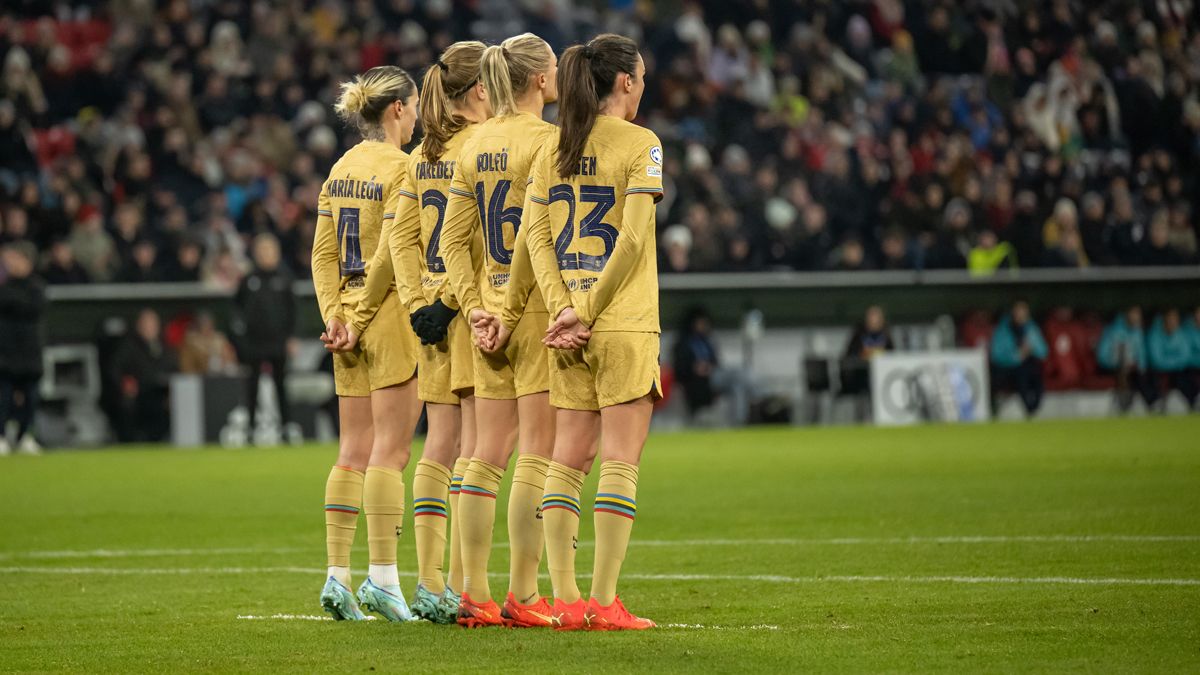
[536, 615]
[474, 615]
[613, 617]
[568, 616]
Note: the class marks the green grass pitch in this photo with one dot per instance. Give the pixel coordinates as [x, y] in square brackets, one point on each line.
[1048, 547]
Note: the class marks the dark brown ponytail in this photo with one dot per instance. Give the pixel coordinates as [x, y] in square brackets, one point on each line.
[586, 74]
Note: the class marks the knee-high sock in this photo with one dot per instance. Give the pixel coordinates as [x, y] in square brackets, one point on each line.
[560, 518]
[454, 579]
[383, 503]
[616, 507]
[431, 486]
[525, 526]
[343, 501]
[477, 516]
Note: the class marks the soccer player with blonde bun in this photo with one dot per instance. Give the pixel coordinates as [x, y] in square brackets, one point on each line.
[511, 385]
[453, 102]
[591, 238]
[376, 383]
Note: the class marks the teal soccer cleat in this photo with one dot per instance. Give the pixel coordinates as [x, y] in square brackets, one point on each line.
[339, 601]
[433, 607]
[387, 602]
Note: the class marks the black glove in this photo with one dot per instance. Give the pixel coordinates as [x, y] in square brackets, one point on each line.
[432, 322]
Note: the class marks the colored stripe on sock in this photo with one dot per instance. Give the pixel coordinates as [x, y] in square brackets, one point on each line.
[341, 508]
[560, 501]
[619, 505]
[429, 506]
[456, 484]
[477, 491]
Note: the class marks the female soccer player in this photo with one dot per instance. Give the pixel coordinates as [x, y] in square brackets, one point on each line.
[486, 198]
[452, 103]
[376, 384]
[591, 238]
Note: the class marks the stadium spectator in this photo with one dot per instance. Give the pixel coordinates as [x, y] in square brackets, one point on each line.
[1122, 352]
[224, 107]
[1017, 353]
[139, 372]
[205, 350]
[870, 338]
[22, 303]
[61, 268]
[990, 254]
[263, 324]
[696, 361]
[1170, 349]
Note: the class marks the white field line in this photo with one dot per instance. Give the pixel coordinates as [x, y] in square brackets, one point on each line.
[763, 578]
[836, 541]
[292, 617]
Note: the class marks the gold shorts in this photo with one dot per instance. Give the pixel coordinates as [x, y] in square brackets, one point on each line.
[523, 367]
[613, 368]
[446, 369]
[386, 353]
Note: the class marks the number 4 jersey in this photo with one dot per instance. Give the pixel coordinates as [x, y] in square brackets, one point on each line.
[607, 267]
[351, 210]
[488, 197]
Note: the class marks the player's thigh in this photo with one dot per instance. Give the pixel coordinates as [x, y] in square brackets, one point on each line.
[536, 424]
[496, 429]
[466, 441]
[462, 366]
[571, 383]
[493, 375]
[356, 434]
[623, 430]
[445, 426]
[530, 358]
[575, 436]
[392, 410]
[389, 347]
[624, 366]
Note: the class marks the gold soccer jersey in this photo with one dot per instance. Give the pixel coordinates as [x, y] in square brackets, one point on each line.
[585, 253]
[488, 197]
[351, 212]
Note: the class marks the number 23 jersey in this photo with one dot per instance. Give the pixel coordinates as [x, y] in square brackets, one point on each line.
[351, 210]
[586, 219]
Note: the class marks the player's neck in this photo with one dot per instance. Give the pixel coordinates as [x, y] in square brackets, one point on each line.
[532, 102]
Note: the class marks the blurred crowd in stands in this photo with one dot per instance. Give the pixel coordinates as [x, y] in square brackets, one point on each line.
[151, 140]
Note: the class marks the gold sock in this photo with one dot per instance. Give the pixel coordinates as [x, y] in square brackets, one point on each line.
[525, 526]
[454, 579]
[614, 513]
[431, 485]
[343, 501]
[383, 503]
[477, 515]
[560, 519]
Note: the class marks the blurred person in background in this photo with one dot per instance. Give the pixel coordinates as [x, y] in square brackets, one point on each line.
[264, 320]
[870, 338]
[1192, 328]
[140, 370]
[990, 254]
[1017, 352]
[61, 268]
[206, 350]
[697, 363]
[22, 304]
[1170, 348]
[1122, 352]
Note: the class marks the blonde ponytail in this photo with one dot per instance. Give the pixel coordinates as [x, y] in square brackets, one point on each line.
[508, 68]
[446, 81]
[364, 99]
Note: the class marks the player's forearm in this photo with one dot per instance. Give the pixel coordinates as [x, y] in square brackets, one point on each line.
[326, 271]
[379, 281]
[521, 281]
[544, 260]
[461, 222]
[404, 245]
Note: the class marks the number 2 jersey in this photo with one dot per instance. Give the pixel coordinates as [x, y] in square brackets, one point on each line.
[607, 268]
[351, 210]
[488, 197]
